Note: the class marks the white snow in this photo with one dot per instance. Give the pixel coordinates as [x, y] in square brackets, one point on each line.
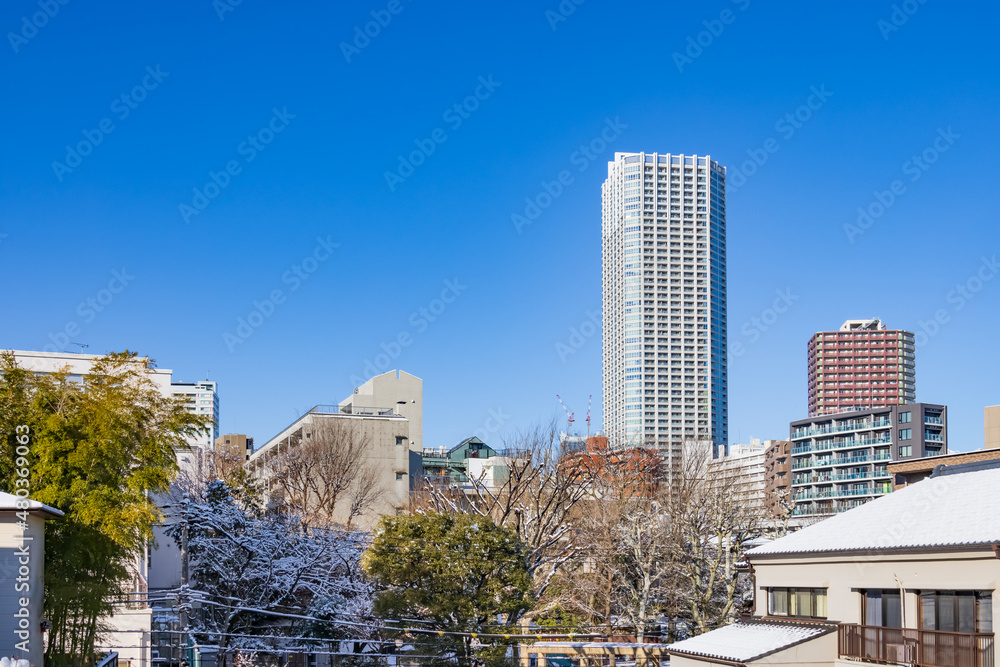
[747, 641]
[950, 510]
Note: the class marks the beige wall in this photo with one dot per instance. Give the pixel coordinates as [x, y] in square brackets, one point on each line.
[844, 576]
[15, 584]
[991, 419]
[389, 458]
[397, 390]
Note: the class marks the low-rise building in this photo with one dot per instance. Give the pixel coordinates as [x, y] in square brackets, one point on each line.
[444, 467]
[907, 472]
[839, 461]
[907, 579]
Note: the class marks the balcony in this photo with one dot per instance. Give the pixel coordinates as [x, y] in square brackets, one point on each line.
[922, 648]
[933, 420]
[933, 437]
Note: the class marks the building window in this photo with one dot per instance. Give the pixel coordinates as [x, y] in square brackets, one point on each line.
[399, 439]
[956, 611]
[797, 602]
[906, 434]
[905, 450]
[400, 476]
[883, 608]
[905, 417]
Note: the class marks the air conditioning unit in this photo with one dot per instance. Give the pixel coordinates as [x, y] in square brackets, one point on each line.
[901, 654]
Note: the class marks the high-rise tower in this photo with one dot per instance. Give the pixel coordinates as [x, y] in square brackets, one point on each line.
[664, 282]
[860, 367]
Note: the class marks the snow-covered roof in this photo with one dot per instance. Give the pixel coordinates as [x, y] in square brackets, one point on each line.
[9, 503]
[954, 508]
[742, 642]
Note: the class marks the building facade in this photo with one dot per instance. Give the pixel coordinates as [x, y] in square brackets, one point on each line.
[861, 366]
[449, 467]
[840, 461]
[235, 445]
[909, 579]
[778, 476]
[743, 467]
[991, 427]
[398, 390]
[201, 398]
[664, 302]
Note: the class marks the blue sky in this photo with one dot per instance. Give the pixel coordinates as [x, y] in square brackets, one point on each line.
[287, 137]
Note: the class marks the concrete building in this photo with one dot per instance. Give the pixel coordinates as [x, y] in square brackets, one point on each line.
[839, 461]
[991, 427]
[201, 398]
[777, 476]
[664, 302]
[908, 579]
[398, 390]
[22, 563]
[744, 466]
[237, 444]
[861, 366]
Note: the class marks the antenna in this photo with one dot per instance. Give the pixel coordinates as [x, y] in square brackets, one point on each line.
[588, 415]
[83, 346]
[569, 416]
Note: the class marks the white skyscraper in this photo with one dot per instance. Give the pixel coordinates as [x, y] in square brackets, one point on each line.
[664, 266]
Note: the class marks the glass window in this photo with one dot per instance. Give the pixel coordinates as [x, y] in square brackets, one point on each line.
[905, 433]
[956, 611]
[905, 417]
[905, 450]
[797, 602]
[883, 608]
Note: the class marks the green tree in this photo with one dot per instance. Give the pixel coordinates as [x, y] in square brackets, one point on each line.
[454, 572]
[101, 448]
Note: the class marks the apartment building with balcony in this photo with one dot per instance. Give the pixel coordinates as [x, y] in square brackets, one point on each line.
[840, 461]
[863, 365]
[908, 579]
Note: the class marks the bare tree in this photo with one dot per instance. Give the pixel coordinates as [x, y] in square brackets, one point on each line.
[325, 475]
[536, 496]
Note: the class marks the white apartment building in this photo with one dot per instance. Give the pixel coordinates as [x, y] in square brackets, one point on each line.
[202, 398]
[744, 466]
[664, 301]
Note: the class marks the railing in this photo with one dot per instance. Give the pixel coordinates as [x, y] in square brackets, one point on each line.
[840, 428]
[933, 420]
[841, 444]
[933, 437]
[109, 660]
[352, 410]
[922, 648]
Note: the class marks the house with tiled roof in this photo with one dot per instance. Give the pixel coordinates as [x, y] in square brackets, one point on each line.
[907, 579]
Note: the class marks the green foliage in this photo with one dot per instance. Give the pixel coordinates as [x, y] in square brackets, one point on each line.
[100, 448]
[456, 573]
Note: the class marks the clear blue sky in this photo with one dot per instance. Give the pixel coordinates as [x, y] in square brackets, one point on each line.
[887, 94]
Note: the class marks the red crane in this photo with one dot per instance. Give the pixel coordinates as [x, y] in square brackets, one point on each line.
[569, 416]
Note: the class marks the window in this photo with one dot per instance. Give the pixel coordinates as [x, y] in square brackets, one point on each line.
[399, 440]
[400, 476]
[883, 608]
[905, 450]
[905, 417]
[798, 602]
[956, 611]
[906, 434]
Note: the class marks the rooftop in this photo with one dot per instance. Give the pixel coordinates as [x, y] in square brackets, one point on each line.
[743, 642]
[8, 503]
[932, 513]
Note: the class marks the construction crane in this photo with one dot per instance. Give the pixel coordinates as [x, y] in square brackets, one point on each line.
[588, 415]
[569, 416]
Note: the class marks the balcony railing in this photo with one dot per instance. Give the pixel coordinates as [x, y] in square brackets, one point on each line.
[803, 432]
[922, 648]
[933, 420]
